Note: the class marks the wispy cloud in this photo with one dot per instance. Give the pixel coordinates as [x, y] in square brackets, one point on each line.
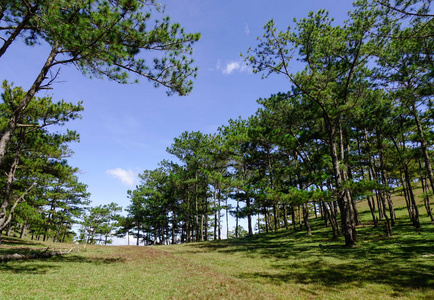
[233, 66]
[247, 29]
[127, 177]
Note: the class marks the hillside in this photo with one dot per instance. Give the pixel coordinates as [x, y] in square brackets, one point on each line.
[283, 265]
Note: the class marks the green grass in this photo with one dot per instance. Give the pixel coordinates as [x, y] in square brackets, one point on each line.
[283, 265]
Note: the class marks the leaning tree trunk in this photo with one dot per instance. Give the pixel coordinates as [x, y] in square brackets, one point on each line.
[18, 29]
[18, 113]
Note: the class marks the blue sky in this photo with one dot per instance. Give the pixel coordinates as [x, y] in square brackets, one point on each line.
[125, 129]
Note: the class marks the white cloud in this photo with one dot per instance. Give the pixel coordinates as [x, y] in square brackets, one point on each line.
[233, 66]
[127, 177]
[230, 67]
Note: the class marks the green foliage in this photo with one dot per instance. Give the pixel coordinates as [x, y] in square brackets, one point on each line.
[40, 189]
[238, 232]
[100, 220]
[107, 38]
[355, 123]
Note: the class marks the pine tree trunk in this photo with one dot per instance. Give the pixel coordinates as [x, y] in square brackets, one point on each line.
[372, 209]
[266, 219]
[424, 146]
[18, 113]
[333, 221]
[9, 229]
[23, 230]
[227, 219]
[306, 219]
[299, 218]
[324, 214]
[219, 215]
[343, 201]
[385, 180]
[138, 234]
[415, 210]
[216, 212]
[285, 216]
[249, 217]
[275, 218]
[425, 190]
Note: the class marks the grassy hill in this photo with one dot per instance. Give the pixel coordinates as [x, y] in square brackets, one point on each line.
[283, 265]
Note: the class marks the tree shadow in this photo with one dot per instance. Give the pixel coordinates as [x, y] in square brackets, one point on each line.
[43, 265]
[395, 275]
[23, 267]
[402, 262]
[9, 240]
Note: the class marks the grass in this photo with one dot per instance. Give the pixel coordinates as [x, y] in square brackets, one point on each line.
[282, 265]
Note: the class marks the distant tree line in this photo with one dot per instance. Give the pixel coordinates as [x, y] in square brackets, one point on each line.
[355, 124]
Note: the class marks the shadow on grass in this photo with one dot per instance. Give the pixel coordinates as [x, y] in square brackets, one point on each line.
[8, 240]
[405, 261]
[44, 265]
[399, 277]
[23, 267]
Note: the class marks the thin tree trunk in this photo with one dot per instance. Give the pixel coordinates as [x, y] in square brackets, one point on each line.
[216, 212]
[9, 229]
[285, 216]
[23, 230]
[29, 14]
[197, 210]
[333, 221]
[306, 219]
[424, 146]
[259, 223]
[220, 225]
[426, 201]
[249, 217]
[299, 218]
[138, 234]
[266, 219]
[236, 217]
[426, 197]
[343, 201]
[415, 210]
[385, 180]
[372, 209]
[324, 214]
[227, 219]
[275, 218]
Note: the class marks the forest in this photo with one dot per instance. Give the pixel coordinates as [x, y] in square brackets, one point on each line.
[355, 123]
